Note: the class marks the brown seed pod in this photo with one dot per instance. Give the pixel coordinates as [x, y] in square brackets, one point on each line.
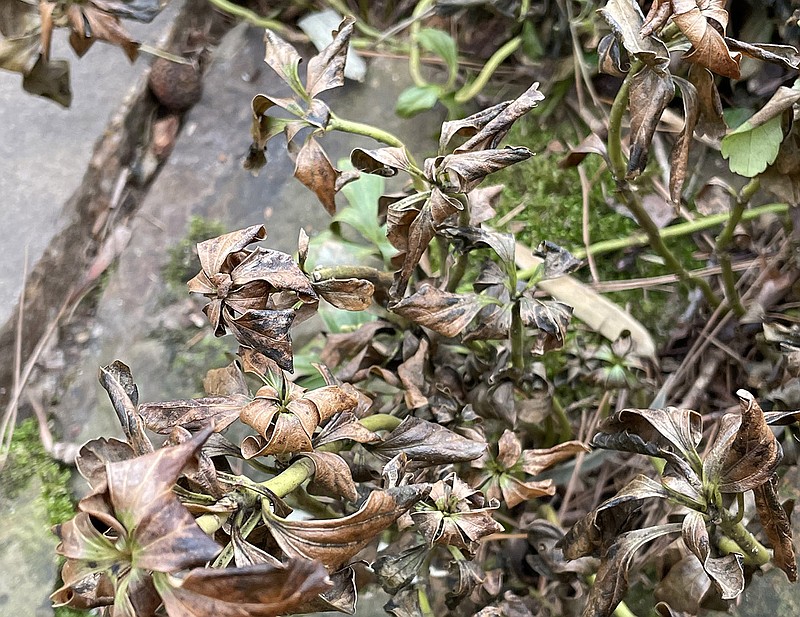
[176, 86]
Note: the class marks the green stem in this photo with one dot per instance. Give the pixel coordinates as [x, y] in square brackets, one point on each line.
[414, 65]
[563, 420]
[224, 558]
[248, 15]
[470, 91]
[657, 243]
[335, 123]
[424, 603]
[675, 231]
[360, 24]
[724, 241]
[302, 469]
[631, 200]
[752, 550]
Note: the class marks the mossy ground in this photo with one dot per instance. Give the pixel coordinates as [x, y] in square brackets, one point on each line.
[553, 211]
[27, 461]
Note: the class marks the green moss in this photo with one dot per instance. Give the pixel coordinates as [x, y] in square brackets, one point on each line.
[183, 261]
[27, 459]
[554, 211]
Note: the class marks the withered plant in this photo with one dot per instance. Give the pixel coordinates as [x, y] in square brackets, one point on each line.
[404, 457]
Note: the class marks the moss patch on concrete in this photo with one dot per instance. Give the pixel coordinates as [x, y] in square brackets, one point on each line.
[553, 211]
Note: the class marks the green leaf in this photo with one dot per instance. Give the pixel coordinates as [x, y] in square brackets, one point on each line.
[442, 44]
[749, 150]
[361, 211]
[416, 99]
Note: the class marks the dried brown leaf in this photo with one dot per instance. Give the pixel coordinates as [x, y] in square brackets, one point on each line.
[725, 572]
[649, 96]
[334, 541]
[314, 169]
[611, 584]
[708, 46]
[679, 159]
[443, 312]
[267, 332]
[427, 443]
[626, 21]
[710, 122]
[326, 69]
[117, 380]
[193, 414]
[347, 294]
[775, 521]
[332, 476]
[754, 454]
[262, 590]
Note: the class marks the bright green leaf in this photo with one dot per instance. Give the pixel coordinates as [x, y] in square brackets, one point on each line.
[750, 150]
[416, 99]
[442, 44]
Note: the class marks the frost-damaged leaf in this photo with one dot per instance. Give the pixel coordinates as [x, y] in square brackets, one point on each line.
[213, 253]
[679, 159]
[714, 460]
[650, 94]
[287, 420]
[708, 46]
[455, 514]
[117, 380]
[412, 375]
[659, 431]
[550, 318]
[285, 61]
[710, 121]
[345, 426]
[398, 571]
[163, 535]
[332, 476]
[381, 162]
[428, 443]
[226, 381]
[626, 21]
[494, 126]
[49, 80]
[754, 454]
[443, 312]
[596, 531]
[414, 236]
[90, 24]
[536, 461]
[193, 414]
[340, 598]
[775, 521]
[725, 572]
[261, 590]
[346, 294]
[611, 584]
[405, 603]
[314, 169]
[610, 56]
[463, 171]
[470, 238]
[558, 261]
[267, 332]
[335, 541]
[326, 69]
[782, 55]
[93, 456]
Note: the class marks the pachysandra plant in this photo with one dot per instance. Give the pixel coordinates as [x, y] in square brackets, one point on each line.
[404, 451]
[744, 456]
